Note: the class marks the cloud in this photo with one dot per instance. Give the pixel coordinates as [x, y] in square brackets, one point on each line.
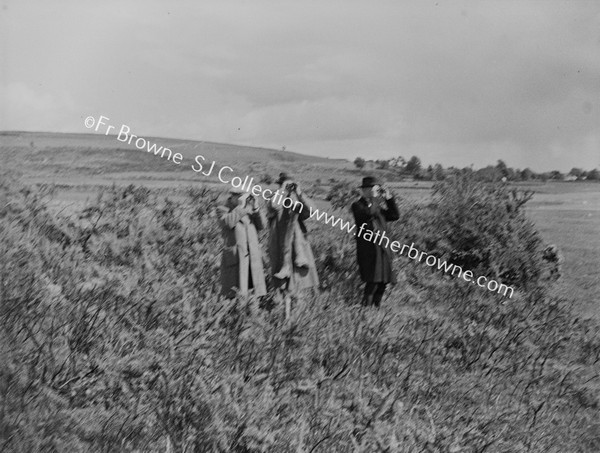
[24, 108]
[458, 82]
[320, 120]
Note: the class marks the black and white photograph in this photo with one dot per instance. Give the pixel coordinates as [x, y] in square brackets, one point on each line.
[300, 226]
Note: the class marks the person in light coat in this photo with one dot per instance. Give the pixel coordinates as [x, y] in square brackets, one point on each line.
[241, 261]
[298, 276]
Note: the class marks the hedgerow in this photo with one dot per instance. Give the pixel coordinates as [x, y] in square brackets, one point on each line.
[114, 338]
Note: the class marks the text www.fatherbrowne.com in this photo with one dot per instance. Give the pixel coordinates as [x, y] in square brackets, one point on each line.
[380, 238]
[224, 174]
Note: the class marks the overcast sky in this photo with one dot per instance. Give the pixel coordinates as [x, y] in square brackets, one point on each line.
[458, 83]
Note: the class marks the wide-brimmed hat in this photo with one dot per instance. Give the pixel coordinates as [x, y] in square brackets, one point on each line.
[369, 181]
[283, 176]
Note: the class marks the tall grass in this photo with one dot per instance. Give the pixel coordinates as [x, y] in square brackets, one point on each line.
[113, 338]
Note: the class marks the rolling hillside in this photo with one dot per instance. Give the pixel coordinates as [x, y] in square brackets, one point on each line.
[95, 158]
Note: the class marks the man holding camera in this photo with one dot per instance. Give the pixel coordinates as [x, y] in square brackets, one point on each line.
[241, 260]
[292, 262]
[372, 211]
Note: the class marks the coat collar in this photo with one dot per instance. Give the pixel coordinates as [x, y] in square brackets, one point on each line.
[365, 201]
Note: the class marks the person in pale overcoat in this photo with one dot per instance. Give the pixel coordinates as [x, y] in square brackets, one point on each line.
[281, 221]
[241, 260]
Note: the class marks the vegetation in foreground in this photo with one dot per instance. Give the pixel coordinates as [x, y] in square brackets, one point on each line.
[113, 337]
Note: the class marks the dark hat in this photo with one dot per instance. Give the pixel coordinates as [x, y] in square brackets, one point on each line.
[283, 176]
[369, 181]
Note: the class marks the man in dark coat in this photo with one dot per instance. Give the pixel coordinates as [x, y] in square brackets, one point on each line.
[371, 212]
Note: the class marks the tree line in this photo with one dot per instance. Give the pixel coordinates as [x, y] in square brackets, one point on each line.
[414, 168]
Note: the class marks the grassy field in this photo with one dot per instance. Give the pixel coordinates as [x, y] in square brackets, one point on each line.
[113, 335]
[566, 214]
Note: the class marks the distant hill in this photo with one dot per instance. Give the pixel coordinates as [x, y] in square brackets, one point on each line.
[38, 155]
[189, 148]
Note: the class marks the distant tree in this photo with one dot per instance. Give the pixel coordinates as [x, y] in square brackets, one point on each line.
[556, 175]
[527, 174]
[577, 172]
[424, 174]
[450, 171]
[438, 172]
[383, 164]
[398, 162]
[503, 169]
[488, 174]
[593, 175]
[413, 165]
[359, 162]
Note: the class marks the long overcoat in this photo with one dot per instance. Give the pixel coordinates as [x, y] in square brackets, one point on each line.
[374, 260]
[280, 219]
[241, 260]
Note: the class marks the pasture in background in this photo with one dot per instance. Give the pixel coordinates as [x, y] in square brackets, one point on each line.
[567, 214]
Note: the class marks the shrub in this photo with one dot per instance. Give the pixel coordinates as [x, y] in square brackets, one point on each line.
[342, 194]
[118, 341]
[266, 179]
[482, 227]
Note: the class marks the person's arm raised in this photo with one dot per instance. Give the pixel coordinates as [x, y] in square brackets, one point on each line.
[390, 213]
[306, 207]
[230, 217]
[258, 217]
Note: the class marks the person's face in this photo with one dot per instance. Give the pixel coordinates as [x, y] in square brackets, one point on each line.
[371, 192]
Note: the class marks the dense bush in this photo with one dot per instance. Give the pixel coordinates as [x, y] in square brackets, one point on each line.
[342, 194]
[113, 338]
[481, 227]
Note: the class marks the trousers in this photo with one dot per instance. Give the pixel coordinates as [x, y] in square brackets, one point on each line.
[373, 294]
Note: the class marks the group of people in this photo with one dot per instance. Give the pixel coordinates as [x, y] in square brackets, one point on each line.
[293, 267]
